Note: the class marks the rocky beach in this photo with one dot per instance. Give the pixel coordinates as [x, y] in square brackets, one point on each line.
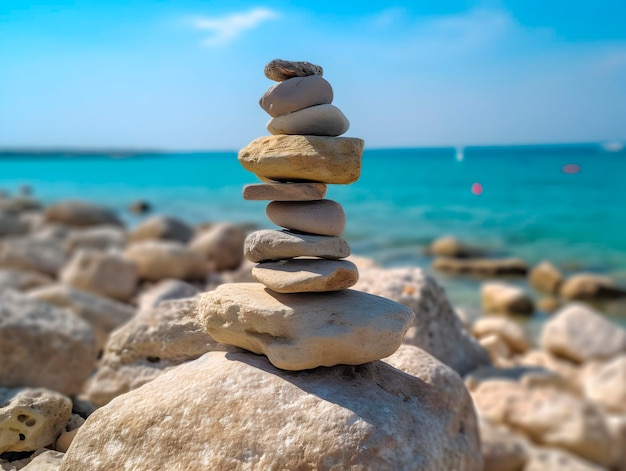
[169, 344]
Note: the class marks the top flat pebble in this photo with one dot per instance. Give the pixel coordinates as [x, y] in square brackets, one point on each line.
[280, 70]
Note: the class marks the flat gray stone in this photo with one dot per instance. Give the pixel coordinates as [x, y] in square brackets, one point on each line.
[284, 191]
[304, 158]
[320, 120]
[271, 245]
[304, 275]
[295, 94]
[304, 330]
[322, 217]
[279, 69]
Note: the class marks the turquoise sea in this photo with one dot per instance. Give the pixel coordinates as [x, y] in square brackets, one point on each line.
[566, 204]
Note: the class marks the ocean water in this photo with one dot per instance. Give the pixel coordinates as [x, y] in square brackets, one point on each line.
[566, 204]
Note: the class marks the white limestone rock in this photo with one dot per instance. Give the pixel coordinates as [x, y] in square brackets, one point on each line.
[305, 330]
[236, 411]
[31, 418]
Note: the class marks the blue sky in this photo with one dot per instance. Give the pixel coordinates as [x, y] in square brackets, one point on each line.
[188, 74]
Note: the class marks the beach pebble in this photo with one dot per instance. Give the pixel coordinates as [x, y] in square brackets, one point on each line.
[330, 418]
[103, 273]
[102, 314]
[221, 245]
[436, 327]
[306, 275]
[65, 440]
[12, 225]
[502, 449]
[546, 278]
[80, 214]
[305, 330]
[605, 383]
[45, 256]
[295, 94]
[266, 245]
[499, 350]
[31, 418]
[47, 460]
[22, 280]
[509, 331]
[590, 287]
[162, 228]
[320, 120]
[486, 267]
[153, 342]
[504, 298]
[279, 69]
[166, 290]
[140, 207]
[158, 260]
[302, 158]
[50, 347]
[321, 217]
[547, 412]
[449, 246]
[549, 304]
[617, 428]
[19, 204]
[567, 370]
[284, 191]
[552, 459]
[580, 334]
[104, 238]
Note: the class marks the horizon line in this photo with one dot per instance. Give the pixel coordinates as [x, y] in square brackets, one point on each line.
[617, 144]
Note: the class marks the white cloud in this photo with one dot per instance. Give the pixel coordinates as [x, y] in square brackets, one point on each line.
[229, 27]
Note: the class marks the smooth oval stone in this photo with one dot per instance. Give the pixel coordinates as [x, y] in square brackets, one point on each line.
[305, 330]
[279, 69]
[267, 244]
[320, 120]
[301, 158]
[284, 191]
[295, 94]
[322, 217]
[306, 275]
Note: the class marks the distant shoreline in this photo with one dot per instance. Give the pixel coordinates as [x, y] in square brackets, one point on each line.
[613, 147]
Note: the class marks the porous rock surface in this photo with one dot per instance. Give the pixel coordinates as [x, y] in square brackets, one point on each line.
[31, 418]
[242, 413]
[436, 327]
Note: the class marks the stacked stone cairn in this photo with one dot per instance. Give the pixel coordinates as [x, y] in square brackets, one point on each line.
[301, 313]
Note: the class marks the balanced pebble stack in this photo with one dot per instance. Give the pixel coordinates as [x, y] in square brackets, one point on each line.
[302, 157]
[301, 313]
